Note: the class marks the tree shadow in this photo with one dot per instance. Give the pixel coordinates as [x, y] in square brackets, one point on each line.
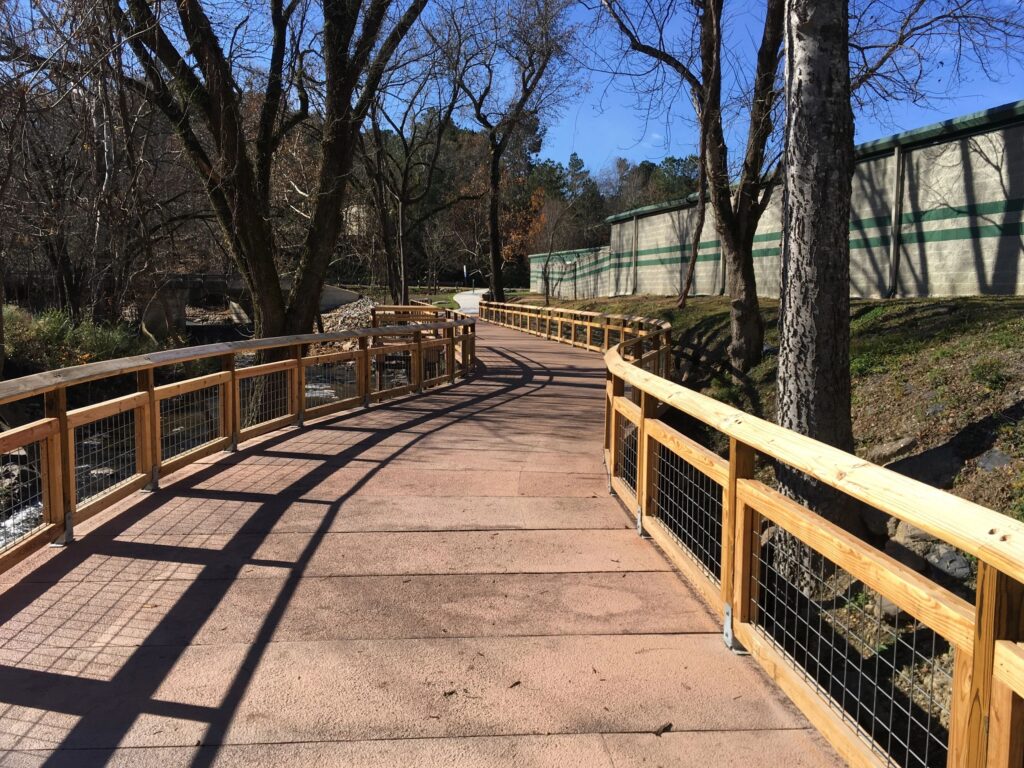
[103, 708]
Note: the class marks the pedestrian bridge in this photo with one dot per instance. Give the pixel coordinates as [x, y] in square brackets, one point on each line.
[397, 547]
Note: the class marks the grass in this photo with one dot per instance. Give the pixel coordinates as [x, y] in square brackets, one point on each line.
[926, 369]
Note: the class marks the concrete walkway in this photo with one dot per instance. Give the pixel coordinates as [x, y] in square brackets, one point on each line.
[444, 581]
[469, 301]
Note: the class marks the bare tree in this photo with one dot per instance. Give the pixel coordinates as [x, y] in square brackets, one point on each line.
[514, 68]
[697, 62]
[669, 46]
[234, 80]
[402, 154]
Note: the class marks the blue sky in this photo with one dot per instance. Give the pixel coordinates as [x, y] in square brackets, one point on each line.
[604, 123]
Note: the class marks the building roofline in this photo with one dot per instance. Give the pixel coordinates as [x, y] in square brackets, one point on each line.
[946, 130]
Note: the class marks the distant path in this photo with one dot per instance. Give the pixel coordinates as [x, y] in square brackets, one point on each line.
[469, 301]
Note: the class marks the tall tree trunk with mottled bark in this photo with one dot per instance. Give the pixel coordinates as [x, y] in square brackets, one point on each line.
[814, 317]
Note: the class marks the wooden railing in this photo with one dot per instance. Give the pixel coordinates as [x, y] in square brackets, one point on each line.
[893, 667]
[71, 463]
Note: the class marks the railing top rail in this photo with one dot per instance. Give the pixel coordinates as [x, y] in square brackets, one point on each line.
[647, 321]
[984, 533]
[47, 381]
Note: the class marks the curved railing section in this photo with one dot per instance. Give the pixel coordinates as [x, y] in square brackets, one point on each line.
[107, 429]
[893, 666]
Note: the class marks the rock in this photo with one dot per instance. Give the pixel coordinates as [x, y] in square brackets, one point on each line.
[906, 556]
[348, 316]
[948, 560]
[887, 609]
[924, 547]
[994, 459]
[935, 410]
[886, 452]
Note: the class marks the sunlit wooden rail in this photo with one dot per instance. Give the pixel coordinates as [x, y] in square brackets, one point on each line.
[804, 597]
[74, 462]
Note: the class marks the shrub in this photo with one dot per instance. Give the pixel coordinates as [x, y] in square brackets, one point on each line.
[51, 340]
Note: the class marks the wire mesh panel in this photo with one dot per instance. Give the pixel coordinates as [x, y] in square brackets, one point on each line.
[390, 370]
[626, 451]
[876, 666]
[435, 362]
[614, 336]
[597, 336]
[689, 504]
[21, 493]
[331, 382]
[189, 421]
[581, 334]
[105, 455]
[566, 330]
[263, 398]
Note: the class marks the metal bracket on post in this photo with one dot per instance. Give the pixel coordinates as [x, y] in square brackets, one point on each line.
[640, 522]
[727, 634]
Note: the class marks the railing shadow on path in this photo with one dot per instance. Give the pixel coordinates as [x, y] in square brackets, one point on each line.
[106, 710]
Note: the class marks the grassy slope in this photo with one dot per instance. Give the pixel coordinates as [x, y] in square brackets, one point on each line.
[942, 373]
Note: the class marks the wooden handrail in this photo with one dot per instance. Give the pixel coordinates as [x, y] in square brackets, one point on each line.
[139, 447]
[48, 381]
[984, 533]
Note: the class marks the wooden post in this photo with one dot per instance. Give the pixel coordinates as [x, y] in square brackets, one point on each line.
[363, 372]
[999, 607]
[1006, 727]
[737, 541]
[299, 382]
[148, 449]
[373, 317]
[417, 361]
[231, 407]
[614, 387]
[647, 461]
[449, 363]
[55, 406]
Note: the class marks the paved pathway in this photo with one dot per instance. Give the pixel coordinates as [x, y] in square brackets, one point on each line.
[441, 582]
[469, 301]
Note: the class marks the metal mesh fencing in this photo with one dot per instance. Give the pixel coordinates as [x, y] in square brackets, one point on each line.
[566, 330]
[189, 421]
[21, 493]
[331, 382]
[435, 362]
[883, 672]
[263, 398]
[597, 336]
[614, 336]
[626, 451]
[581, 334]
[689, 505]
[391, 370]
[105, 455]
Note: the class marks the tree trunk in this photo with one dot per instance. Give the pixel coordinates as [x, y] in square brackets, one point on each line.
[3, 300]
[814, 317]
[494, 224]
[745, 322]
